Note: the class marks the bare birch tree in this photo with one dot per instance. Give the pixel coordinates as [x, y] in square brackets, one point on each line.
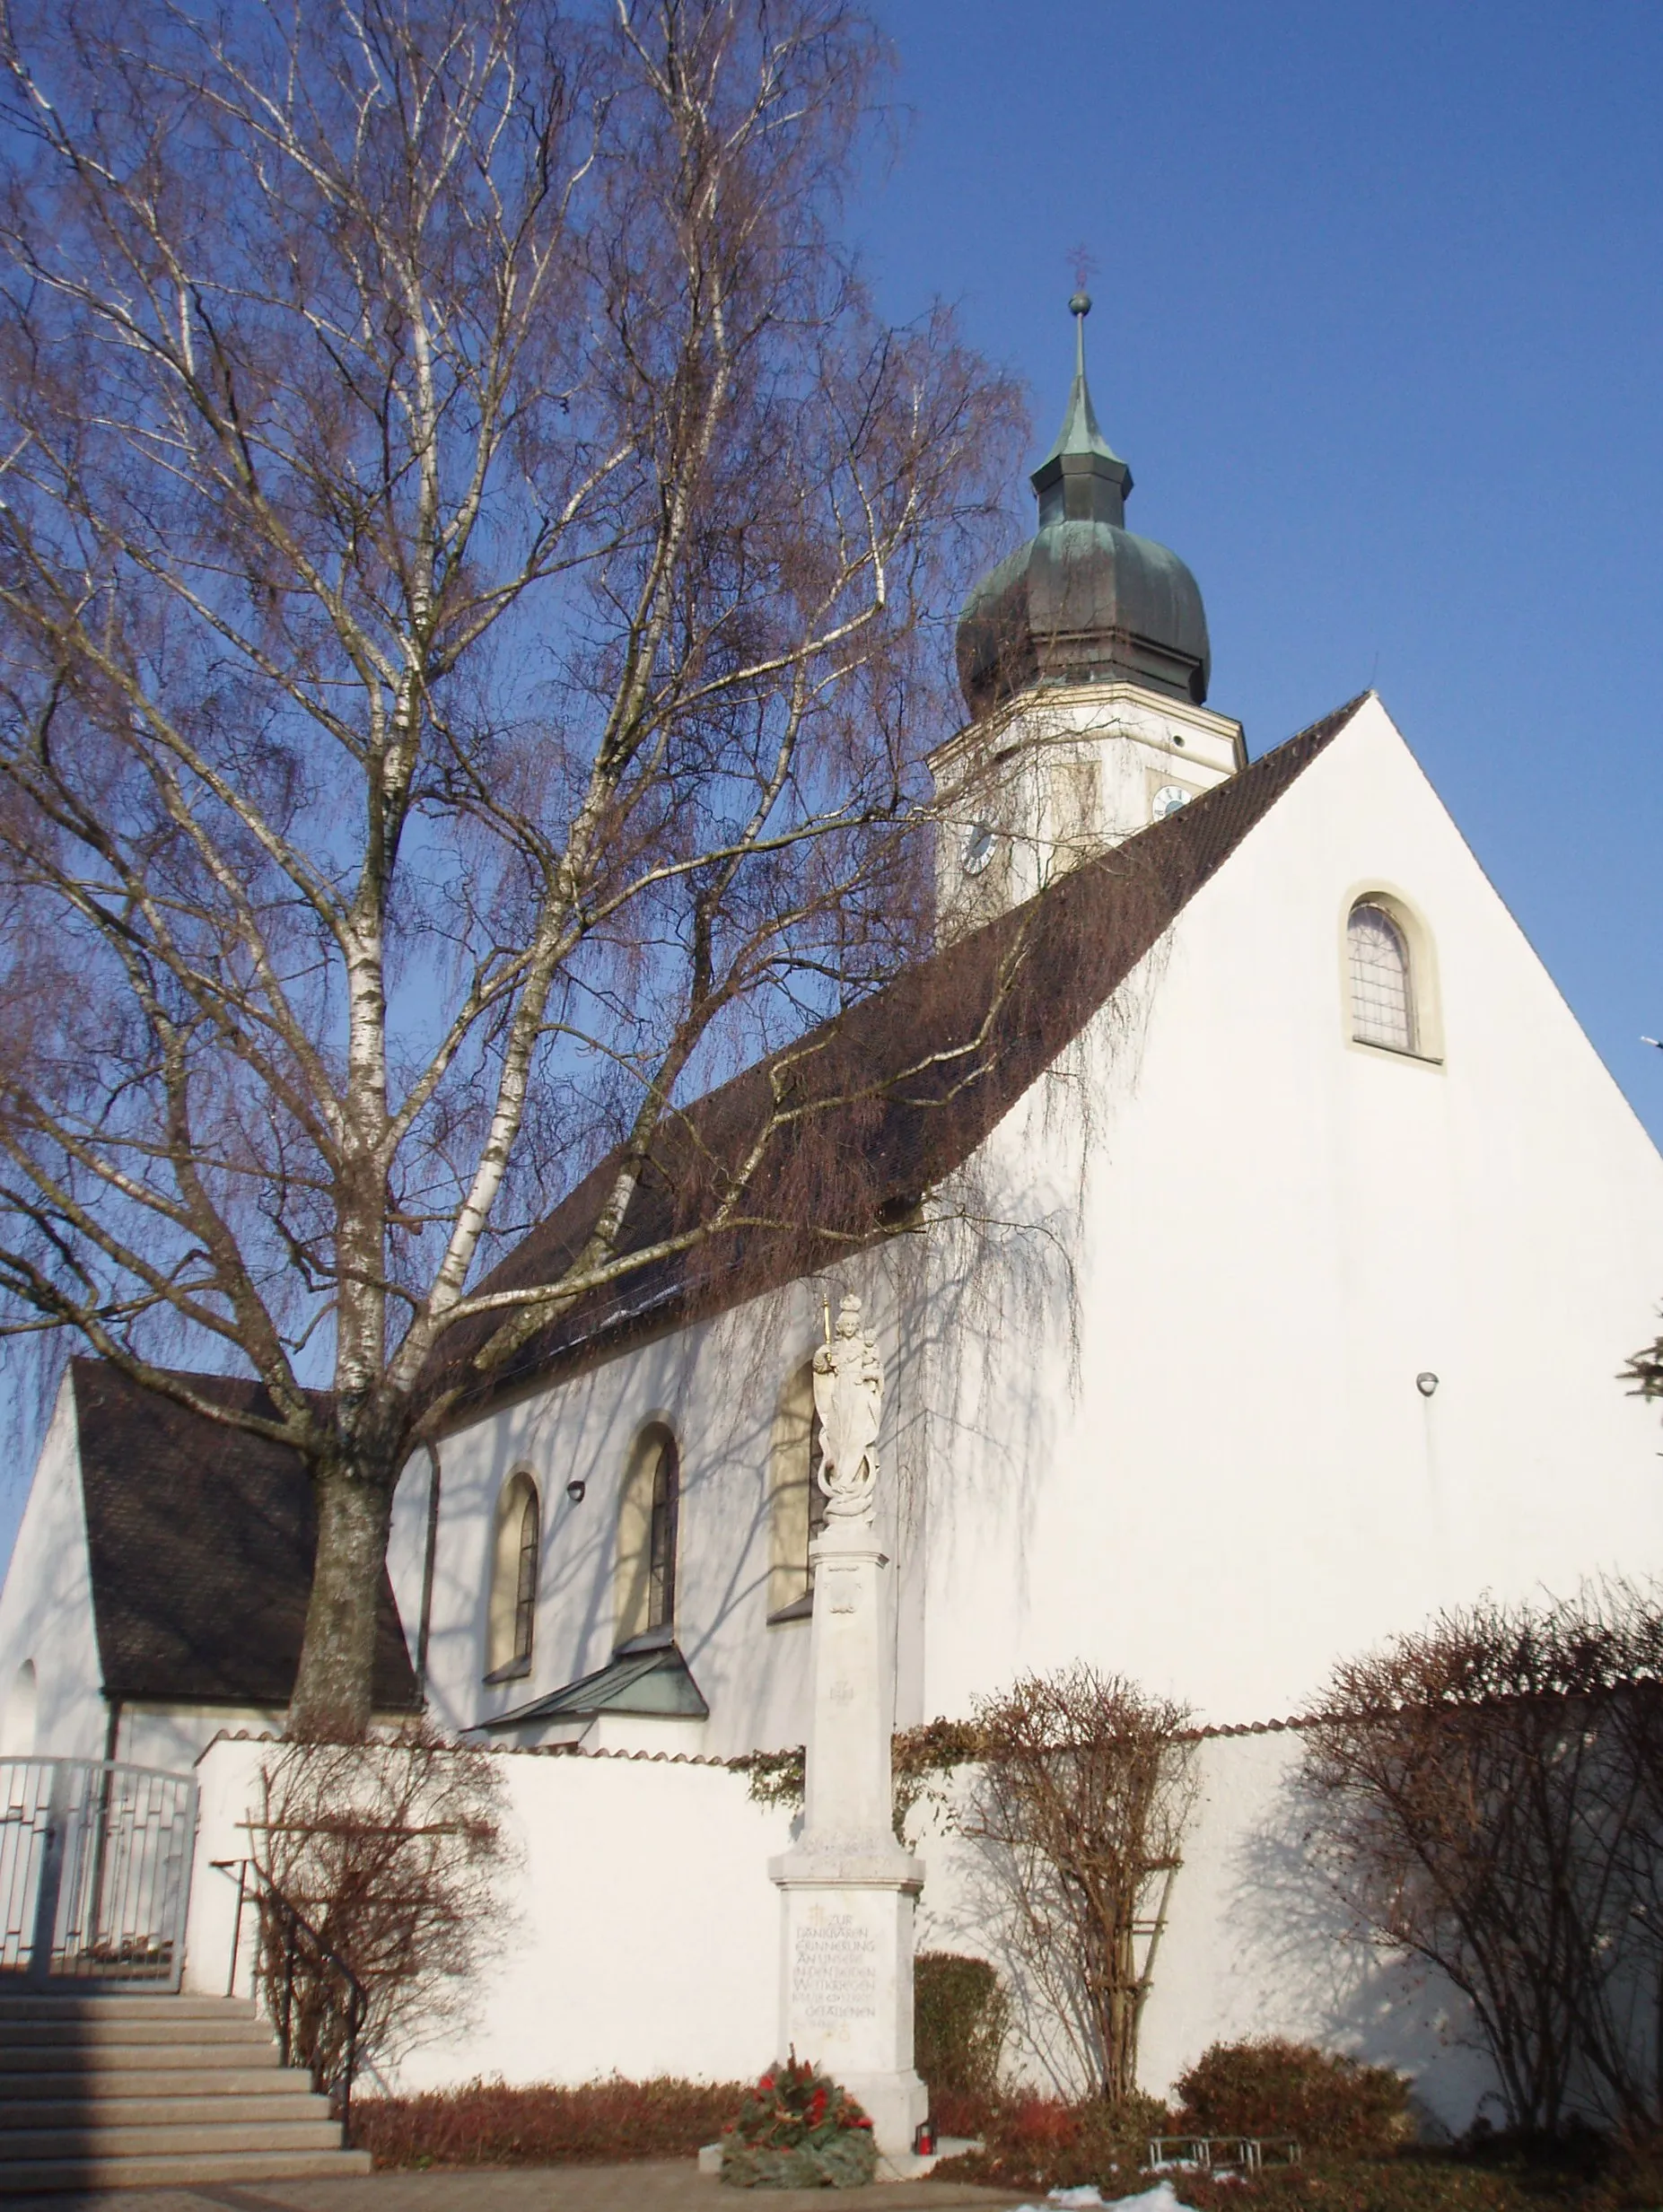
[468, 559]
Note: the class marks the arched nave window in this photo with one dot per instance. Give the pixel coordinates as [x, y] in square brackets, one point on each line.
[796, 1502]
[512, 1616]
[649, 1511]
[1382, 979]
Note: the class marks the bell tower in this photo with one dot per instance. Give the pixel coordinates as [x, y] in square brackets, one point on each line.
[1084, 662]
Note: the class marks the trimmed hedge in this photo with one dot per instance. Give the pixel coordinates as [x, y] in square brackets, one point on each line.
[960, 2011]
[1270, 2087]
[1035, 2142]
[489, 2124]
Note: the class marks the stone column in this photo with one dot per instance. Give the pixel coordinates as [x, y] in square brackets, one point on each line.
[847, 1888]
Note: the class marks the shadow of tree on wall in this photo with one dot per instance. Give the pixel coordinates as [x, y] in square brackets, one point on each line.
[1321, 1977]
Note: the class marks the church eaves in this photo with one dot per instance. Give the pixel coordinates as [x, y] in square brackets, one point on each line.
[897, 1094]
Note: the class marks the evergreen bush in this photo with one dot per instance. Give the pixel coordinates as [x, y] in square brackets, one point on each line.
[961, 2010]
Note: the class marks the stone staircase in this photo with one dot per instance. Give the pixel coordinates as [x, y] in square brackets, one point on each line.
[107, 2092]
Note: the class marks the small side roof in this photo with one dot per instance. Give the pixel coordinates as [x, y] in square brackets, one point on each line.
[200, 1540]
[658, 1681]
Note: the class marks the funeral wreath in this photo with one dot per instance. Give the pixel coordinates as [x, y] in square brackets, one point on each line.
[798, 2129]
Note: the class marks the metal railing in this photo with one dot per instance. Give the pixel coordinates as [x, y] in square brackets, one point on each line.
[94, 1873]
[315, 2002]
[1240, 2154]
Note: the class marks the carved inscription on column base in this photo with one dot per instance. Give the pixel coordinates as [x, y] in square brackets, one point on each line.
[834, 1970]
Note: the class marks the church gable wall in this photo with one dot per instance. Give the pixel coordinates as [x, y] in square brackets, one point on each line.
[46, 1613]
[1211, 1468]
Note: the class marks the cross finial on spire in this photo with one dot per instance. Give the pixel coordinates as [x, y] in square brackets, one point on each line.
[1080, 438]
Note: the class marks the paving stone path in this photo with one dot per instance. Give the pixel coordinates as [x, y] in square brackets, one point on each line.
[668, 2185]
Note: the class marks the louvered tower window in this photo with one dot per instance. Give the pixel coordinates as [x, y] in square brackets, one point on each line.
[1382, 988]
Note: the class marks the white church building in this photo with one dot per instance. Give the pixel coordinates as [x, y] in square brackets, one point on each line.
[1289, 1235]
[1252, 1236]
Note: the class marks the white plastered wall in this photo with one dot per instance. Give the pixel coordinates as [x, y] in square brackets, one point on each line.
[637, 1933]
[1229, 1478]
[637, 1930]
[174, 1737]
[1253, 1946]
[716, 1384]
[1173, 1425]
[46, 1611]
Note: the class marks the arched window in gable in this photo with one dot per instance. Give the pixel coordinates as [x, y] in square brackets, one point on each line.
[1382, 978]
[796, 1502]
[511, 1622]
[649, 1517]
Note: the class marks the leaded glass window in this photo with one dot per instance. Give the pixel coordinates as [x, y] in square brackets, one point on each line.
[1382, 987]
[511, 1621]
[661, 1540]
[525, 1586]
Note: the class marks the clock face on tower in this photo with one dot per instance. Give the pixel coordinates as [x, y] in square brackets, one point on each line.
[977, 848]
[1167, 799]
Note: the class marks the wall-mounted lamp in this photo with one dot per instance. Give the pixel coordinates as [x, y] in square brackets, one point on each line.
[575, 1490]
[1425, 1382]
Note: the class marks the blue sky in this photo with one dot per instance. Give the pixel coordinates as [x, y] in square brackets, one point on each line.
[1379, 326]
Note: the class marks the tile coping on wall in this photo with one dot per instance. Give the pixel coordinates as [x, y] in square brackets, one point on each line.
[1207, 1734]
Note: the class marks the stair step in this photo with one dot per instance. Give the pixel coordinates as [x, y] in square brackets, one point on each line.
[102, 2090]
[113, 2079]
[113, 2027]
[185, 2139]
[96, 2059]
[281, 2109]
[28, 2176]
[98, 2004]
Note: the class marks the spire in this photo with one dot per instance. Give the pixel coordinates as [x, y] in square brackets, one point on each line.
[1082, 478]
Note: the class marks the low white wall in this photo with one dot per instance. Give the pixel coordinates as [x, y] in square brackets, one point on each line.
[639, 1932]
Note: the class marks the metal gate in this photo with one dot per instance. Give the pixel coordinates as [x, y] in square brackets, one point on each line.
[94, 1873]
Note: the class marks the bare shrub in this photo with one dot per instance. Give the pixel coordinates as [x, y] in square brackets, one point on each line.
[1485, 1796]
[1081, 1798]
[390, 1852]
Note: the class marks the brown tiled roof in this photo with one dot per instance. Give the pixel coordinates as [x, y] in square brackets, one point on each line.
[200, 1539]
[900, 1090]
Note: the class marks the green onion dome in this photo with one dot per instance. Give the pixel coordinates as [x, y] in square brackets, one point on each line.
[1084, 600]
